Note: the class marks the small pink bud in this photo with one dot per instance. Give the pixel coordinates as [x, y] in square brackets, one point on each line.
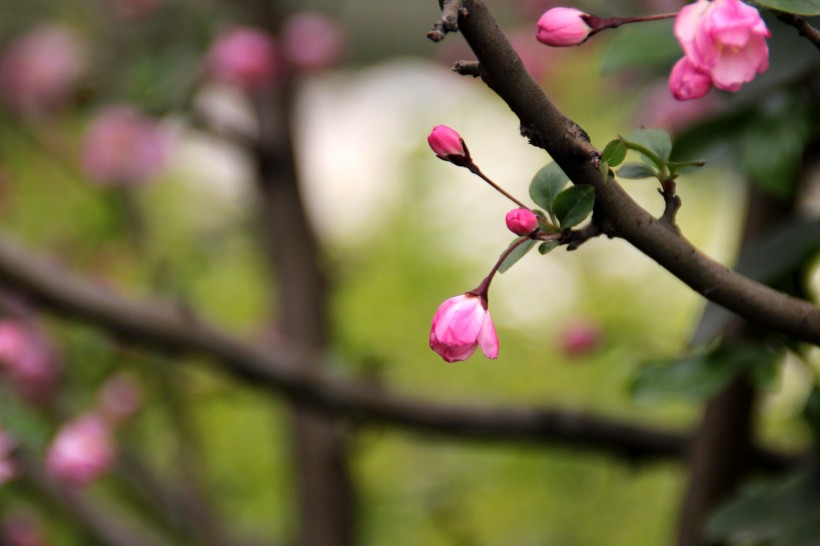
[312, 40]
[39, 71]
[522, 221]
[82, 451]
[686, 81]
[461, 324]
[28, 360]
[448, 145]
[122, 147]
[563, 27]
[119, 398]
[7, 467]
[245, 57]
[579, 338]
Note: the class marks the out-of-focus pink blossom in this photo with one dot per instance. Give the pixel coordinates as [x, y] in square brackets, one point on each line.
[7, 467]
[579, 338]
[123, 147]
[22, 529]
[245, 57]
[28, 360]
[119, 398]
[447, 144]
[563, 27]
[461, 324]
[39, 71]
[312, 41]
[521, 221]
[82, 451]
[657, 108]
[724, 41]
[134, 9]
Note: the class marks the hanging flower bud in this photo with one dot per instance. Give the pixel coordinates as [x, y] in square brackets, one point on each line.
[563, 27]
[686, 81]
[522, 221]
[462, 324]
[82, 451]
[448, 145]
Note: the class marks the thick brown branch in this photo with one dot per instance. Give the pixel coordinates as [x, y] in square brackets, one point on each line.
[806, 30]
[284, 371]
[617, 213]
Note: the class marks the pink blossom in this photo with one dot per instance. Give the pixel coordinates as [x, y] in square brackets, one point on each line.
[28, 360]
[119, 398]
[461, 324]
[521, 221]
[245, 57]
[39, 71]
[447, 144]
[563, 27]
[686, 81]
[580, 337]
[22, 529]
[722, 39]
[312, 40]
[123, 147]
[82, 451]
[7, 467]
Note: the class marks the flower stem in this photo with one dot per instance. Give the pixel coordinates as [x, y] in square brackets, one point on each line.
[483, 288]
[599, 23]
[473, 168]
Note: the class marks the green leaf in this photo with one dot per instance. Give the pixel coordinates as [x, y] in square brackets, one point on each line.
[634, 171]
[656, 140]
[573, 205]
[546, 184]
[798, 7]
[697, 377]
[547, 246]
[516, 254]
[614, 153]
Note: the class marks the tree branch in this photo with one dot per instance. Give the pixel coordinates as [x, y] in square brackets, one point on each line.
[617, 213]
[803, 27]
[181, 331]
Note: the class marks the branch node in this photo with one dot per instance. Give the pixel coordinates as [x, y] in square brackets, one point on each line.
[575, 238]
[468, 68]
[673, 204]
[451, 10]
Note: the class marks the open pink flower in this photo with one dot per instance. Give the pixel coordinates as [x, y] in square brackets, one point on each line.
[82, 451]
[461, 324]
[123, 147]
[722, 39]
[245, 57]
[563, 27]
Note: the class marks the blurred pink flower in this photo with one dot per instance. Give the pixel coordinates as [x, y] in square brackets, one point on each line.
[312, 40]
[7, 467]
[657, 108]
[28, 360]
[39, 71]
[119, 398]
[82, 451]
[579, 338]
[722, 40]
[521, 221]
[22, 529]
[462, 324]
[563, 27]
[123, 147]
[245, 57]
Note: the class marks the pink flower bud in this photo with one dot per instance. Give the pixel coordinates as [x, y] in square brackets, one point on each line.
[39, 71]
[448, 145]
[312, 41]
[82, 451]
[28, 360]
[7, 467]
[686, 81]
[245, 57]
[563, 27]
[119, 398]
[460, 325]
[579, 338]
[522, 221]
[123, 147]
[724, 39]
